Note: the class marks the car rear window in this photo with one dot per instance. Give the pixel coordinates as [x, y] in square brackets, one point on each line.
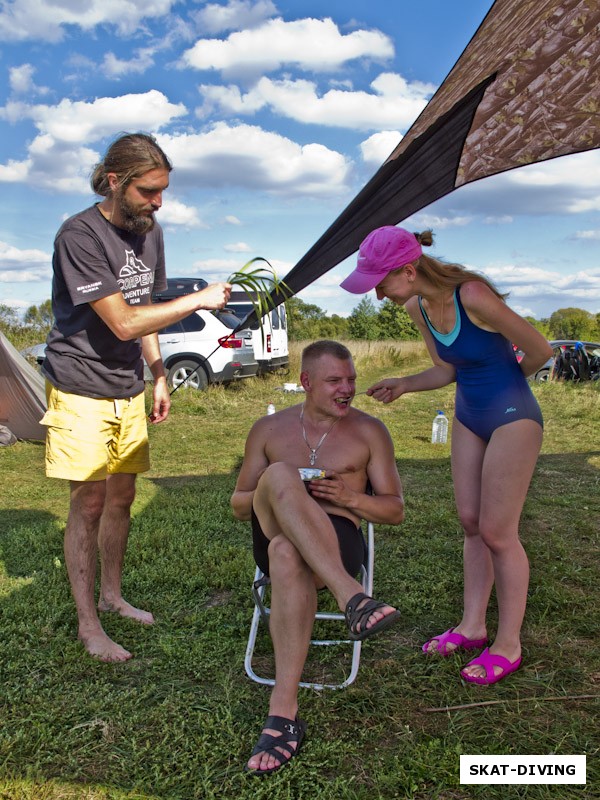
[241, 310]
[176, 327]
[193, 323]
[228, 318]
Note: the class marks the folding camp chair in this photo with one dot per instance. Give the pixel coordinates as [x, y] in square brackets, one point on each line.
[262, 611]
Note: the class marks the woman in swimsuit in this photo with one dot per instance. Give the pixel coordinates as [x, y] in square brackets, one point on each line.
[496, 433]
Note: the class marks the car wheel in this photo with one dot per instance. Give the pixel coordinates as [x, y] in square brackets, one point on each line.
[190, 373]
[542, 375]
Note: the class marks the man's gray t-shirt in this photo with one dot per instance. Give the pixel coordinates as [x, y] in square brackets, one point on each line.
[94, 259]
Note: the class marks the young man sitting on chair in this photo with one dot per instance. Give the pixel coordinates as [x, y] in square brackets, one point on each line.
[306, 535]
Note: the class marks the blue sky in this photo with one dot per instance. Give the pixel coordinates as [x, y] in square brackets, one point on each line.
[275, 115]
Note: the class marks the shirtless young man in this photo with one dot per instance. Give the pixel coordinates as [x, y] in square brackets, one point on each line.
[306, 540]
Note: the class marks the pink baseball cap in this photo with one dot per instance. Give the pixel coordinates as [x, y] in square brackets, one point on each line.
[384, 250]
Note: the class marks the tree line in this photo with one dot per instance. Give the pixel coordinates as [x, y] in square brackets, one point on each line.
[306, 321]
[387, 320]
[32, 327]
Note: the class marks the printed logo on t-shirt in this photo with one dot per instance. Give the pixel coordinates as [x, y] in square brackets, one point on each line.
[90, 287]
[135, 278]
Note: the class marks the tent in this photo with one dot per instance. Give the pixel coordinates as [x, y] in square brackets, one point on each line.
[524, 90]
[22, 394]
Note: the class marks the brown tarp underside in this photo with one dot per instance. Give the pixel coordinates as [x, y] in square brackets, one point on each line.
[22, 394]
[545, 101]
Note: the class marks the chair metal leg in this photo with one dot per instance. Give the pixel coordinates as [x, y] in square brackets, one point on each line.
[262, 611]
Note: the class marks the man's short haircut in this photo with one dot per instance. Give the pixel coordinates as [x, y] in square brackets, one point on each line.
[324, 347]
[130, 156]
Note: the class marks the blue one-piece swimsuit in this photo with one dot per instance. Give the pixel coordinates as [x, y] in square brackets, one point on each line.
[491, 389]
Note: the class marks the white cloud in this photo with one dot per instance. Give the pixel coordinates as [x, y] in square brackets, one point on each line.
[436, 223]
[223, 155]
[237, 247]
[46, 19]
[14, 111]
[328, 297]
[587, 235]
[11, 302]
[377, 147]
[14, 171]
[21, 80]
[114, 67]
[174, 212]
[520, 276]
[235, 15]
[23, 276]
[539, 288]
[230, 219]
[219, 269]
[584, 204]
[578, 172]
[247, 156]
[214, 269]
[173, 32]
[23, 266]
[80, 121]
[559, 171]
[57, 159]
[332, 278]
[52, 165]
[567, 185]
[308, 44]
[392, 103]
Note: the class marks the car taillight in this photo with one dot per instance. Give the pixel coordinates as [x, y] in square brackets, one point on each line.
[231, 344]
[268, 342]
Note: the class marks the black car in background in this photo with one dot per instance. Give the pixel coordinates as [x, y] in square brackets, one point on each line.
[572, 360]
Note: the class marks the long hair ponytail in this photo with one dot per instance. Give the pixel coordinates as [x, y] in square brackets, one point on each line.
[128, 157]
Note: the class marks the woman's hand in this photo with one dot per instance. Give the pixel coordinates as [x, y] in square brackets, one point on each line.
[387, 390]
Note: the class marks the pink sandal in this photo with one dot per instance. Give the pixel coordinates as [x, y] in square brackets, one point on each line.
[488, 661]
[457, 639]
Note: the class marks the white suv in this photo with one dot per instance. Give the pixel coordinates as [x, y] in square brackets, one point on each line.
[199, 349]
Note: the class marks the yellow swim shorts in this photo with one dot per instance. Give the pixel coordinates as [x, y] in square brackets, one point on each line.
[89, 438]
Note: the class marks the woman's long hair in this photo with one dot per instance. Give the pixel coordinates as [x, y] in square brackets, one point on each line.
[448, 276]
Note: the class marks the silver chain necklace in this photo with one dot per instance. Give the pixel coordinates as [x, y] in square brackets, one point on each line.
[314, 450]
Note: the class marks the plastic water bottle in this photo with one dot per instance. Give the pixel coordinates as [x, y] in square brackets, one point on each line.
[439, 429]
[270, 408]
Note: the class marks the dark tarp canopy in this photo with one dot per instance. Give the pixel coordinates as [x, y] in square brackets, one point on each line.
[525, 89]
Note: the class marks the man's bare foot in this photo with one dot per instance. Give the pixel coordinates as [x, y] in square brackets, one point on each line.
[102, 647]
[125, 609]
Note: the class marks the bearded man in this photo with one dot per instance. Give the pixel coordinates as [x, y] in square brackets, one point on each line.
[107, 262]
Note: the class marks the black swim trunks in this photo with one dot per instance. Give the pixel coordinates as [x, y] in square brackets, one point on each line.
[353, 547]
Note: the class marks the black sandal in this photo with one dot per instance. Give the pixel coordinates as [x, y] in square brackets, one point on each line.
[291, 730]
[356, 616]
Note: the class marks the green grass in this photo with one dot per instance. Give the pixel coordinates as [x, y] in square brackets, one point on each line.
[179, 720]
